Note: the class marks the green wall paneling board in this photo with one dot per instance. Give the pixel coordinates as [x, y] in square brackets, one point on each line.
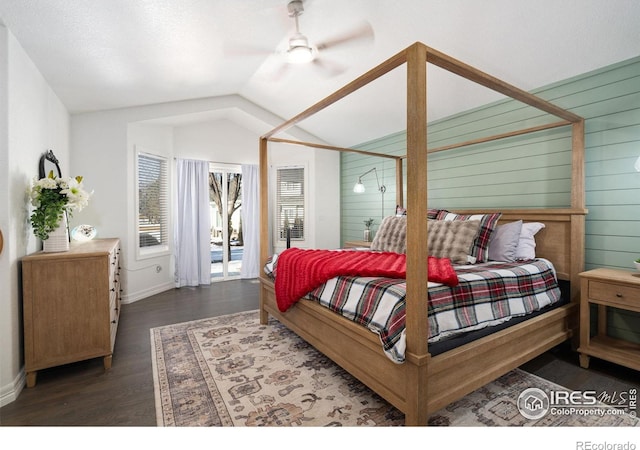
[533, 170]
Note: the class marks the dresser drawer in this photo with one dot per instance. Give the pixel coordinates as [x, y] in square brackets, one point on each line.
[613, 293]
[114, 310]
[114, 263]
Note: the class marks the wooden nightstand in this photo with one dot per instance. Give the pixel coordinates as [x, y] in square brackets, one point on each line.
[356, 244]
[614, 288]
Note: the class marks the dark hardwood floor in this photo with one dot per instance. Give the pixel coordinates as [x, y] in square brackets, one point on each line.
[83, 394]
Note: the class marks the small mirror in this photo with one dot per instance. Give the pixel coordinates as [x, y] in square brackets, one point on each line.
[49, 162]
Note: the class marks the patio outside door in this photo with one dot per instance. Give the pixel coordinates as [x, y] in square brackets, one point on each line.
[225, 182]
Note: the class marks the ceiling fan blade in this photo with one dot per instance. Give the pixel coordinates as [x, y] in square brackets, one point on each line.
[273, 76]
[329, 68]
[364, 31]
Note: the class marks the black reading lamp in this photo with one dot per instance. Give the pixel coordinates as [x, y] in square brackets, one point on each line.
[359, 188]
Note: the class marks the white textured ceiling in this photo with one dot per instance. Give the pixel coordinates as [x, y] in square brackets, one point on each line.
[103, 54]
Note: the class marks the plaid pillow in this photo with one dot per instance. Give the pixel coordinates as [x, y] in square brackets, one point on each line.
[432, 213]
[488, 223]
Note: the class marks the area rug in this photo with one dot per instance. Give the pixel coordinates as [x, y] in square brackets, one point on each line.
[233, 371]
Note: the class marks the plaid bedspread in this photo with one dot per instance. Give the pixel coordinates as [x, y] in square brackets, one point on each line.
[487, 294]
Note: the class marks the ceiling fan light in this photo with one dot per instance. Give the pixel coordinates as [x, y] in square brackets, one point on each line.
[300, 54]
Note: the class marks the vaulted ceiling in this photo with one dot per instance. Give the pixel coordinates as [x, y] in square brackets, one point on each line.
[103, 54]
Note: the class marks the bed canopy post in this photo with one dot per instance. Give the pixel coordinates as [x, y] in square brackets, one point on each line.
[577, 165]
[416, 310]
[578, 203]
[399, 182]
[264, 217]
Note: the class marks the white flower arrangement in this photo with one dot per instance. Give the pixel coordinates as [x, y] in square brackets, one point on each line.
[52, 197]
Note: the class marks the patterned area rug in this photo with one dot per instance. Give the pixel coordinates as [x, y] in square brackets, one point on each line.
[232, 371]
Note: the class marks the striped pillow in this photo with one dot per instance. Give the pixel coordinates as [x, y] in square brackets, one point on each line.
[488, 223]
[432, 213]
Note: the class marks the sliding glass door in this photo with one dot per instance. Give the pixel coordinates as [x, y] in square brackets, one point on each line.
[225, 183]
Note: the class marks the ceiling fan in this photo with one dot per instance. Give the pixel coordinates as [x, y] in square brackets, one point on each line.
[300, 50]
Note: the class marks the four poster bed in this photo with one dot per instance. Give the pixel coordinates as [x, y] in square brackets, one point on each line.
[424, 382]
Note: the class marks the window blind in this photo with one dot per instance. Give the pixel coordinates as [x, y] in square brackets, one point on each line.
[290, 202]
[153, 201]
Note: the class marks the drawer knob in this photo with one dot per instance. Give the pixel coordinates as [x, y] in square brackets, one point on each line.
[619, 295]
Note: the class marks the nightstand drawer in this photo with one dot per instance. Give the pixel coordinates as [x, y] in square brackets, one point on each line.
[613, 293]
[357, 244]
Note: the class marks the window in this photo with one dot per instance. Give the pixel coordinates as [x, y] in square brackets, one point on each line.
[290, 203]
[153, 204]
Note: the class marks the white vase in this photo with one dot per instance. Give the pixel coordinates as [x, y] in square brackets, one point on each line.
[367, 235]
[58, 240]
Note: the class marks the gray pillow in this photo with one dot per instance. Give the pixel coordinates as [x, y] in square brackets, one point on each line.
[504, 242]
[391, 235]
[451, 239]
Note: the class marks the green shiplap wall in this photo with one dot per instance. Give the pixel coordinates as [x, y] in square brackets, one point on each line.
[531, 171]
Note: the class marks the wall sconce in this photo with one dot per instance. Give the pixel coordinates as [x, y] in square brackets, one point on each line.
[359, 188]
[636, 165]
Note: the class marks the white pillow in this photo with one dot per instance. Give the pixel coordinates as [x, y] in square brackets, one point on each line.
[527, 244]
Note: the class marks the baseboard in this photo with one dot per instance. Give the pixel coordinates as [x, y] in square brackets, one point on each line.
[10, 392]
[140, 295]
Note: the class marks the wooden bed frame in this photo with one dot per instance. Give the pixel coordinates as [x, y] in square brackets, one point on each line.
[424, 383]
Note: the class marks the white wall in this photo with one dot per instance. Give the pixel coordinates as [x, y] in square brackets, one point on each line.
[103, 146]
[326, 189]
[32, 120]
[222, 141]
[146, 276]
[100, 147]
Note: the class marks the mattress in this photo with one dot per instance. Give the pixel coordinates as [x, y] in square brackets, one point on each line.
[487, 295]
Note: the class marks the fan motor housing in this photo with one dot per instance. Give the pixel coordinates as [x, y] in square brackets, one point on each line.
[295, 8]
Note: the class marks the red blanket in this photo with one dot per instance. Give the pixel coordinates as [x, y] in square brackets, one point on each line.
[299, 271]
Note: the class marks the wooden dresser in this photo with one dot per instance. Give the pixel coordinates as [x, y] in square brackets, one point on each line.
[71, 305]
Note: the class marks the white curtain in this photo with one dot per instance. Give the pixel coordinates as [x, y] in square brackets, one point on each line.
[192, 224]
[250, 221]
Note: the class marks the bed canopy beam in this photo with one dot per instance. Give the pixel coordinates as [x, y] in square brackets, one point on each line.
[471, 73]
[438, 59]
[331, 147]
[500, 136]
[363, 80]
[432, 56]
